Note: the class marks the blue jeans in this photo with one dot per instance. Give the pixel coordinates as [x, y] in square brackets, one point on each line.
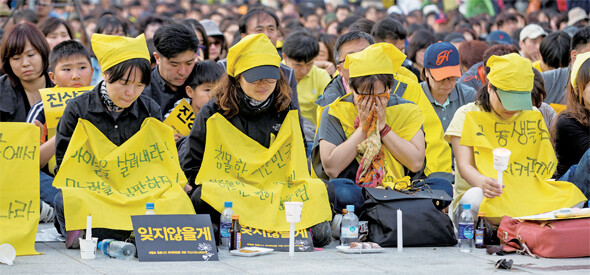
[579, 174]
[348, 193]
[47, 190]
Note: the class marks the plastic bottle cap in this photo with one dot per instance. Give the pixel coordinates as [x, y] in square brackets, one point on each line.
[149, 205]
[466, 206]
[228, 204]
[350, 208]
[481, 214]
[235, 216]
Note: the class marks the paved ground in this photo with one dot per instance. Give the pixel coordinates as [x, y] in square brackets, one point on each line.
[441, 260]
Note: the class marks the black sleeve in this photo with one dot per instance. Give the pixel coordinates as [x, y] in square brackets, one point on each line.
[195, 147]
[64, 131]
[571, 142]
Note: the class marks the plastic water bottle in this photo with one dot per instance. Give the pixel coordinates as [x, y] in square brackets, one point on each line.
[117, 249]
[149, 208]
[466, 231]
[349, 231]
[225, 224]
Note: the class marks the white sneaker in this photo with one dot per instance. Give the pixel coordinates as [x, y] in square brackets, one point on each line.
[47, 213]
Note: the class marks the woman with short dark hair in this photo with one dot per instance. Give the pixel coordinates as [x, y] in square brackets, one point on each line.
[24, 53]
[55, 30]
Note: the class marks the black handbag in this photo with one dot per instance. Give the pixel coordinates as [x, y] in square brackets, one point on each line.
[423, 223]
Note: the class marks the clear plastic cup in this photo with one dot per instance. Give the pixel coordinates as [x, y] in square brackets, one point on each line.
[501, 158]
[7, 254]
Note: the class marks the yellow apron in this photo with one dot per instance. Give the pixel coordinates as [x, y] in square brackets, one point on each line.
[532, 162]
[112, 183]
[259, 180]
[404, 119]
[19, 186]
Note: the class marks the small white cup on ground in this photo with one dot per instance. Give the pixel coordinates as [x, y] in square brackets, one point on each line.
[501, 158]
[293, 211]
[7, 254]
[88, 248]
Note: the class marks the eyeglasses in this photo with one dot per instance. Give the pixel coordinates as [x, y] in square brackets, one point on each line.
[215, 42]
[340, 62]
[268, 80]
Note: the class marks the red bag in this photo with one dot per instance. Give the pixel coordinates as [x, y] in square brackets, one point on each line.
[550, 239]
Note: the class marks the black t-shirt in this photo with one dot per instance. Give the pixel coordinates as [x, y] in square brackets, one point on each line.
[572, 140]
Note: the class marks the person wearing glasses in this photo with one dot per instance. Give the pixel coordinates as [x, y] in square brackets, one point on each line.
[176, 55]
[217, 45]
[371, 137]
[441, 69]
[252, 102]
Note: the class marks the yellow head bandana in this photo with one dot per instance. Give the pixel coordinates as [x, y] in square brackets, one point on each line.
[111, 50]
[380, 58]
[580, 59]
[511, 72]
[252, 51]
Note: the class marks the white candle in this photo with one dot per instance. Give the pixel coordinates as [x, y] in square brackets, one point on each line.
[292, 240]
[400, 234]
[89, 227]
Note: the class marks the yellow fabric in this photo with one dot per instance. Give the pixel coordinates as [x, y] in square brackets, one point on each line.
[537, 65]
[558, 107]
[111, 50]
[252, 51]
[54, 104]
[112, 183]
[309, 89]
[181, 118]
[404, 119]
[438, 152]
[504, 68]
[380, 58]
[258, 180]
[407, 73]
[532, 163]
[19, 186]
[55, 100]
[580, 59]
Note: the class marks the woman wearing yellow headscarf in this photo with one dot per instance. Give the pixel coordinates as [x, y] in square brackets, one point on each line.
[503, 118]
[370, 138]
[246, 146]
[115, 106]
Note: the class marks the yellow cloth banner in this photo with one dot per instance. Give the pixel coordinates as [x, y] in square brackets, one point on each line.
[258, 179]
[112, 183]
[19, 186]
[181, 118]
[532, 162]
[55, 100]
[558, 107]
[404, 119]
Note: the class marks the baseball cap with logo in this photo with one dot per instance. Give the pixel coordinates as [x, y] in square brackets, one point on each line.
[499, 37]
[532, 31]
[442, 60]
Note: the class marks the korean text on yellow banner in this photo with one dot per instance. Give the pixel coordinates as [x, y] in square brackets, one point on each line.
[112, 183]
[258, 179]
[181, 118]
[55, 100]
[531, 164]
[19, 186]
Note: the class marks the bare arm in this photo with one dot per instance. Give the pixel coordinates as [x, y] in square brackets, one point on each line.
[409, 153]
[336, 158]
[466, 165]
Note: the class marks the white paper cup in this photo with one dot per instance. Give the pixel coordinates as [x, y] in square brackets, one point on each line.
[7, 254]
[501, 158]
[293, 211]
[88, 248]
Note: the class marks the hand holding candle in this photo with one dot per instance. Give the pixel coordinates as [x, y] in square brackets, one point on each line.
[501, 160]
